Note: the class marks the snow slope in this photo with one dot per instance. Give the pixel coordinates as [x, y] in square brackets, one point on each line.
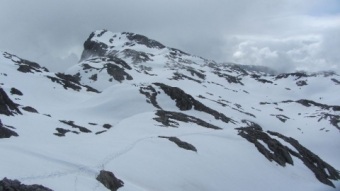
[128, 90]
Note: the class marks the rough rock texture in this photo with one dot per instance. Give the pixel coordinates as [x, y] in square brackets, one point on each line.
[196, 73]
[7, 106]
[298, 75]
[15, 185]
[107, 126]
[336, 81]
[136, 56]
[6, 133]
[109, 180]
[333, 119]
[69, 81]
[301, 83]
[150, 93]
[140, 39]
[71, 123]
[62, 132]
[312, 161]
[179, 76]
[117, 72]
[93, 49]
[278, 152]
[181, 144]
[186, 102]
[309, 103]
[16, 92]
[283, 155]
[30, 109]
[281, 117]
[165, 117]
[229, 78]
[25, 66]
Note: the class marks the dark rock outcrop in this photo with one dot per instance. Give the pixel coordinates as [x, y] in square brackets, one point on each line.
[281, 117]
[298, 75]
[15, 185]
[196, 73]
[71, 123]
[312, 161]
[181, 144]
[62, 132]
[25, 66]
[301, 83]
[109, 180]
[150, 93]
[7, 106]
[16, 92]
[229, 78]
[30, 109]
[107, 126]
[275, 150]
[180, 76]
[185, 102]
[309, 103]
[93, 48]
[6, 133]
[136, 56]
[278, 152]
[140, 39]
[117, 72]
[167, 119]
[337, 82]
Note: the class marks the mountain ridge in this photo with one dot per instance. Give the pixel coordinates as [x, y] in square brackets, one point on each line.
[132, 104]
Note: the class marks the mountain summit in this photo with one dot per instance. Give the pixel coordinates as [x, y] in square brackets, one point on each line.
[134, 114]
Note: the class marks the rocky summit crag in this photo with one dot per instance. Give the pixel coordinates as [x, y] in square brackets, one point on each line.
[134, 114]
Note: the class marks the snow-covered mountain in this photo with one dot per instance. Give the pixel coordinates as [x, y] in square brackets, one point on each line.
[161, 119]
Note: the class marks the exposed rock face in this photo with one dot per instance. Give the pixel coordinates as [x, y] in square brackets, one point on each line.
[69, 81]
[283, 155]
[6, 133]
[186, 102]
[92, 48]
[312, 161]
[136, 56]
[16, 92]
[229, 78]
[301, 83]
[180, 76]
[71, 123]
[150, 93]
[278, 152]
[140, 39]
[117, 72]
[62, 132]
[25, 66]
[336, 81]
[309, 103]
[165, 117]
[15, 185]
[298, 75]
[7, 106]
[107, 126]
[30, 109]
[181, 144]
[282, 118]
[109, 180]
[196, 73]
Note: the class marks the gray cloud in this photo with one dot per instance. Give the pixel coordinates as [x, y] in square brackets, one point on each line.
[283, 34]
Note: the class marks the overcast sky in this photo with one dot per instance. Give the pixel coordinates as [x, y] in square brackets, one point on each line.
[285, 35]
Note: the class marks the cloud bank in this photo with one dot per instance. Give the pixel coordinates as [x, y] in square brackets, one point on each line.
[285, 35]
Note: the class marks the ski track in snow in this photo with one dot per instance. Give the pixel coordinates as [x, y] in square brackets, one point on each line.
[88, 170]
